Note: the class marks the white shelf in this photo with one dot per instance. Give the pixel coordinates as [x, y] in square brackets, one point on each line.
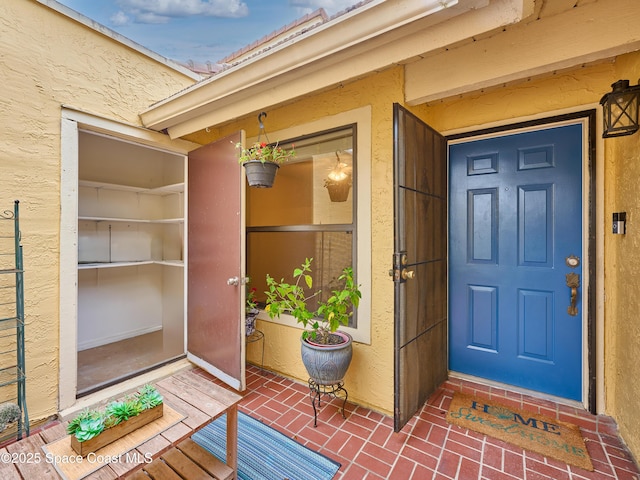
[171, 263]
[88, 266]
[132, 220]
[163, 190]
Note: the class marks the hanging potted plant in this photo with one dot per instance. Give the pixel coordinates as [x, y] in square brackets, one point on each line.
[326, 351]
[261, 162]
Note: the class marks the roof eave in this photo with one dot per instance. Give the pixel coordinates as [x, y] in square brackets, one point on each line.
[304, 63]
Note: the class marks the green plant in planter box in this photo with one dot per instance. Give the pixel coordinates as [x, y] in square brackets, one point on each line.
[91, 423]
[283, 297]
[149, 397]
[119, 412]
[86, 425]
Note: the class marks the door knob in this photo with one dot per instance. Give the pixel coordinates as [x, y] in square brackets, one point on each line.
[408, 274]
[233, 281]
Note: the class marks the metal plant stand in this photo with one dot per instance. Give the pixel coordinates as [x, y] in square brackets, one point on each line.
[13, 404]
[335, 390]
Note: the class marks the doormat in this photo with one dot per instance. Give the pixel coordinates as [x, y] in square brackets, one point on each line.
[538, 433]
[264, 453]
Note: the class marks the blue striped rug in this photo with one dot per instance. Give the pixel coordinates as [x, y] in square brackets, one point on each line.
[264, 453]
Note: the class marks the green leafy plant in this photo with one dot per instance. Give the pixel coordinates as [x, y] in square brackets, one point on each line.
[86, 425]
[90, 423]
[252, 302]
[121, 411]
[283, 297]
[264, 152]
[149, 397]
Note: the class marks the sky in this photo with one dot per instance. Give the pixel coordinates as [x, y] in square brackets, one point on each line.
[199, 30]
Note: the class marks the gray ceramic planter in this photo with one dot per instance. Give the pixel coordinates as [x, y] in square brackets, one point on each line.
[327, 364]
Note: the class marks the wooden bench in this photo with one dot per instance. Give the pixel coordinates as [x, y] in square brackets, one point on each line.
[187, 461]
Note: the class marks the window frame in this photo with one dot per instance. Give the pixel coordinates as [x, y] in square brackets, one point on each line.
[360, 121]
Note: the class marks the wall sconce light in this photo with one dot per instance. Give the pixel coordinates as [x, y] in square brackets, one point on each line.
[620, 109]
[338, 174]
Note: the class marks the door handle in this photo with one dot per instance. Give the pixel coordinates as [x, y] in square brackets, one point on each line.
[233, 281]
[573, 282]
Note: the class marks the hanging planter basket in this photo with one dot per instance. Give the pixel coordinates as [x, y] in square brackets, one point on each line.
[260, 174]
[339, 192]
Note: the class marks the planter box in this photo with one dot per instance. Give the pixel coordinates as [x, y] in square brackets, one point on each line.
[112, 434]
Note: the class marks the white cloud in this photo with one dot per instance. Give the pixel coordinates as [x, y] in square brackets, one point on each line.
[120, 18]
[161, 11]
[331, 6]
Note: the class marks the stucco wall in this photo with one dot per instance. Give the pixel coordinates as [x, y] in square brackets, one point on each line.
[622, 273]
[573, 89]
[370, 376]
[48, 60]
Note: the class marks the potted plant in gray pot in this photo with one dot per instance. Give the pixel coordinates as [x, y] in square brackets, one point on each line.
[326, 351]
[261, 162]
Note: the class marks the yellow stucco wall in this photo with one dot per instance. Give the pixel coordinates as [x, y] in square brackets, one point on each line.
[370, 376]
[48, 60]
[622, 274]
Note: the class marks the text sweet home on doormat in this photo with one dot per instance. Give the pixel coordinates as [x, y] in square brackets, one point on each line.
[545, 435]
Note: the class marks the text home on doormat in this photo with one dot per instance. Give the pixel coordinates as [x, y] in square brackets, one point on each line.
[545, 435]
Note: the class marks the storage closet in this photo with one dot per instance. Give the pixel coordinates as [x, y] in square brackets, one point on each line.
[131, 274]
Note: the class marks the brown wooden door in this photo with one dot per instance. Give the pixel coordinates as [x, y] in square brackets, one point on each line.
[420, 243]
[216, 261]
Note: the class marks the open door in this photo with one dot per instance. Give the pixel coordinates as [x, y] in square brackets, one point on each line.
[216, 261]
[419, 263]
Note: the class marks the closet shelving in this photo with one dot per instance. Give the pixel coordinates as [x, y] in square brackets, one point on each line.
[152, 211]
[130, 270]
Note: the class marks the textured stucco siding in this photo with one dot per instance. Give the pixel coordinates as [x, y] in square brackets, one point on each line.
[47, 60]
[622, 274]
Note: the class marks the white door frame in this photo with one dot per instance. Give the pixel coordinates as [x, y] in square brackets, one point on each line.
[72, 121]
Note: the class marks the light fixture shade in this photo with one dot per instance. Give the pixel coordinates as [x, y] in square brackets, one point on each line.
[620, 110]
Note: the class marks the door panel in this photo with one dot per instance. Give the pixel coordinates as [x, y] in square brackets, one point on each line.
[215, 313]
[515, 215]
[420, 247]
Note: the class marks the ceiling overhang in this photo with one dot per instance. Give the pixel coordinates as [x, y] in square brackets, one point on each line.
[373, 37]
[578, 34]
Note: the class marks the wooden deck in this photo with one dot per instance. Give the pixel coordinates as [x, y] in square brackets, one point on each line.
[198, 400]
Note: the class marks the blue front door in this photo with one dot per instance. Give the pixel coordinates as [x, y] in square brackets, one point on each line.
[515, 218]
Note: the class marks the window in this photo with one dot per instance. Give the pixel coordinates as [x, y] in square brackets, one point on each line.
[300, 218]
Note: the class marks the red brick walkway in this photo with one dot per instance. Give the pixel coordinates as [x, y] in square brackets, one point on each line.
[428, 447]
